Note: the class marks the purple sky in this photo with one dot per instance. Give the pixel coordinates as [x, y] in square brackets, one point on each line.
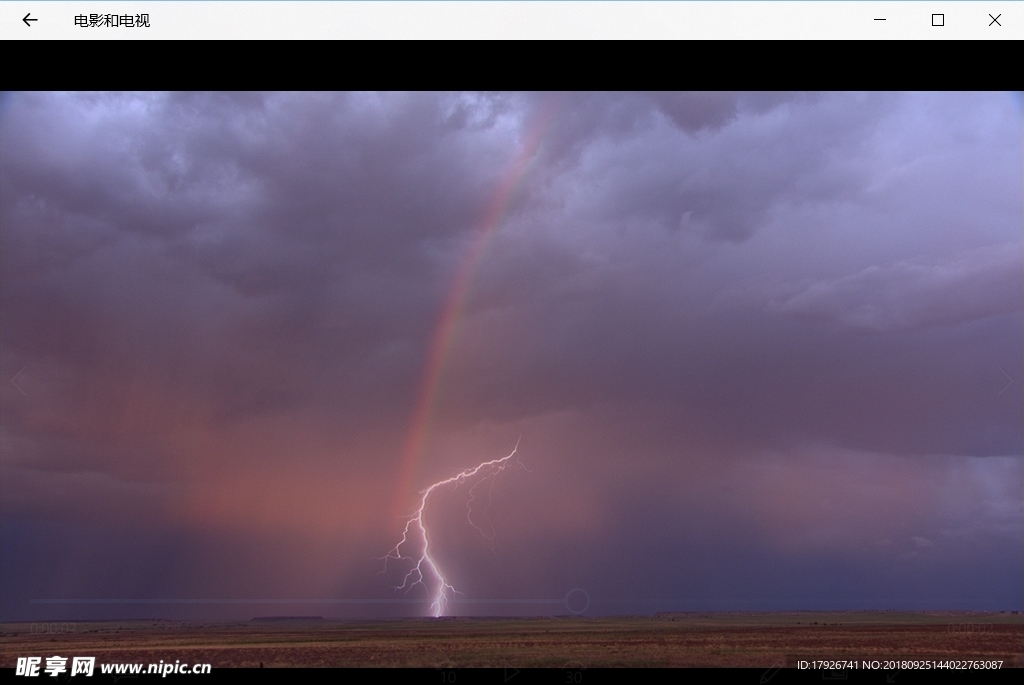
[764, 351]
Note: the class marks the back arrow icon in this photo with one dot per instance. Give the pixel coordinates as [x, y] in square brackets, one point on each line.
[27, 20]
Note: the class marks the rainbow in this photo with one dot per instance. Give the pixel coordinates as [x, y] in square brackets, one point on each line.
[446, 331]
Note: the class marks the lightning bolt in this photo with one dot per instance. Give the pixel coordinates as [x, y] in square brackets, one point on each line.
[425, 567]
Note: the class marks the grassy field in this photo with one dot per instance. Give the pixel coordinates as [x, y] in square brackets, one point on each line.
[665, 640]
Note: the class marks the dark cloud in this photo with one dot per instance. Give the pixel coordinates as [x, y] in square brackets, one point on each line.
[216, 311]
[694, 112]
[977, 285]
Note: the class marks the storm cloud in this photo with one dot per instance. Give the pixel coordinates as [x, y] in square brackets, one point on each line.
[762, 350]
